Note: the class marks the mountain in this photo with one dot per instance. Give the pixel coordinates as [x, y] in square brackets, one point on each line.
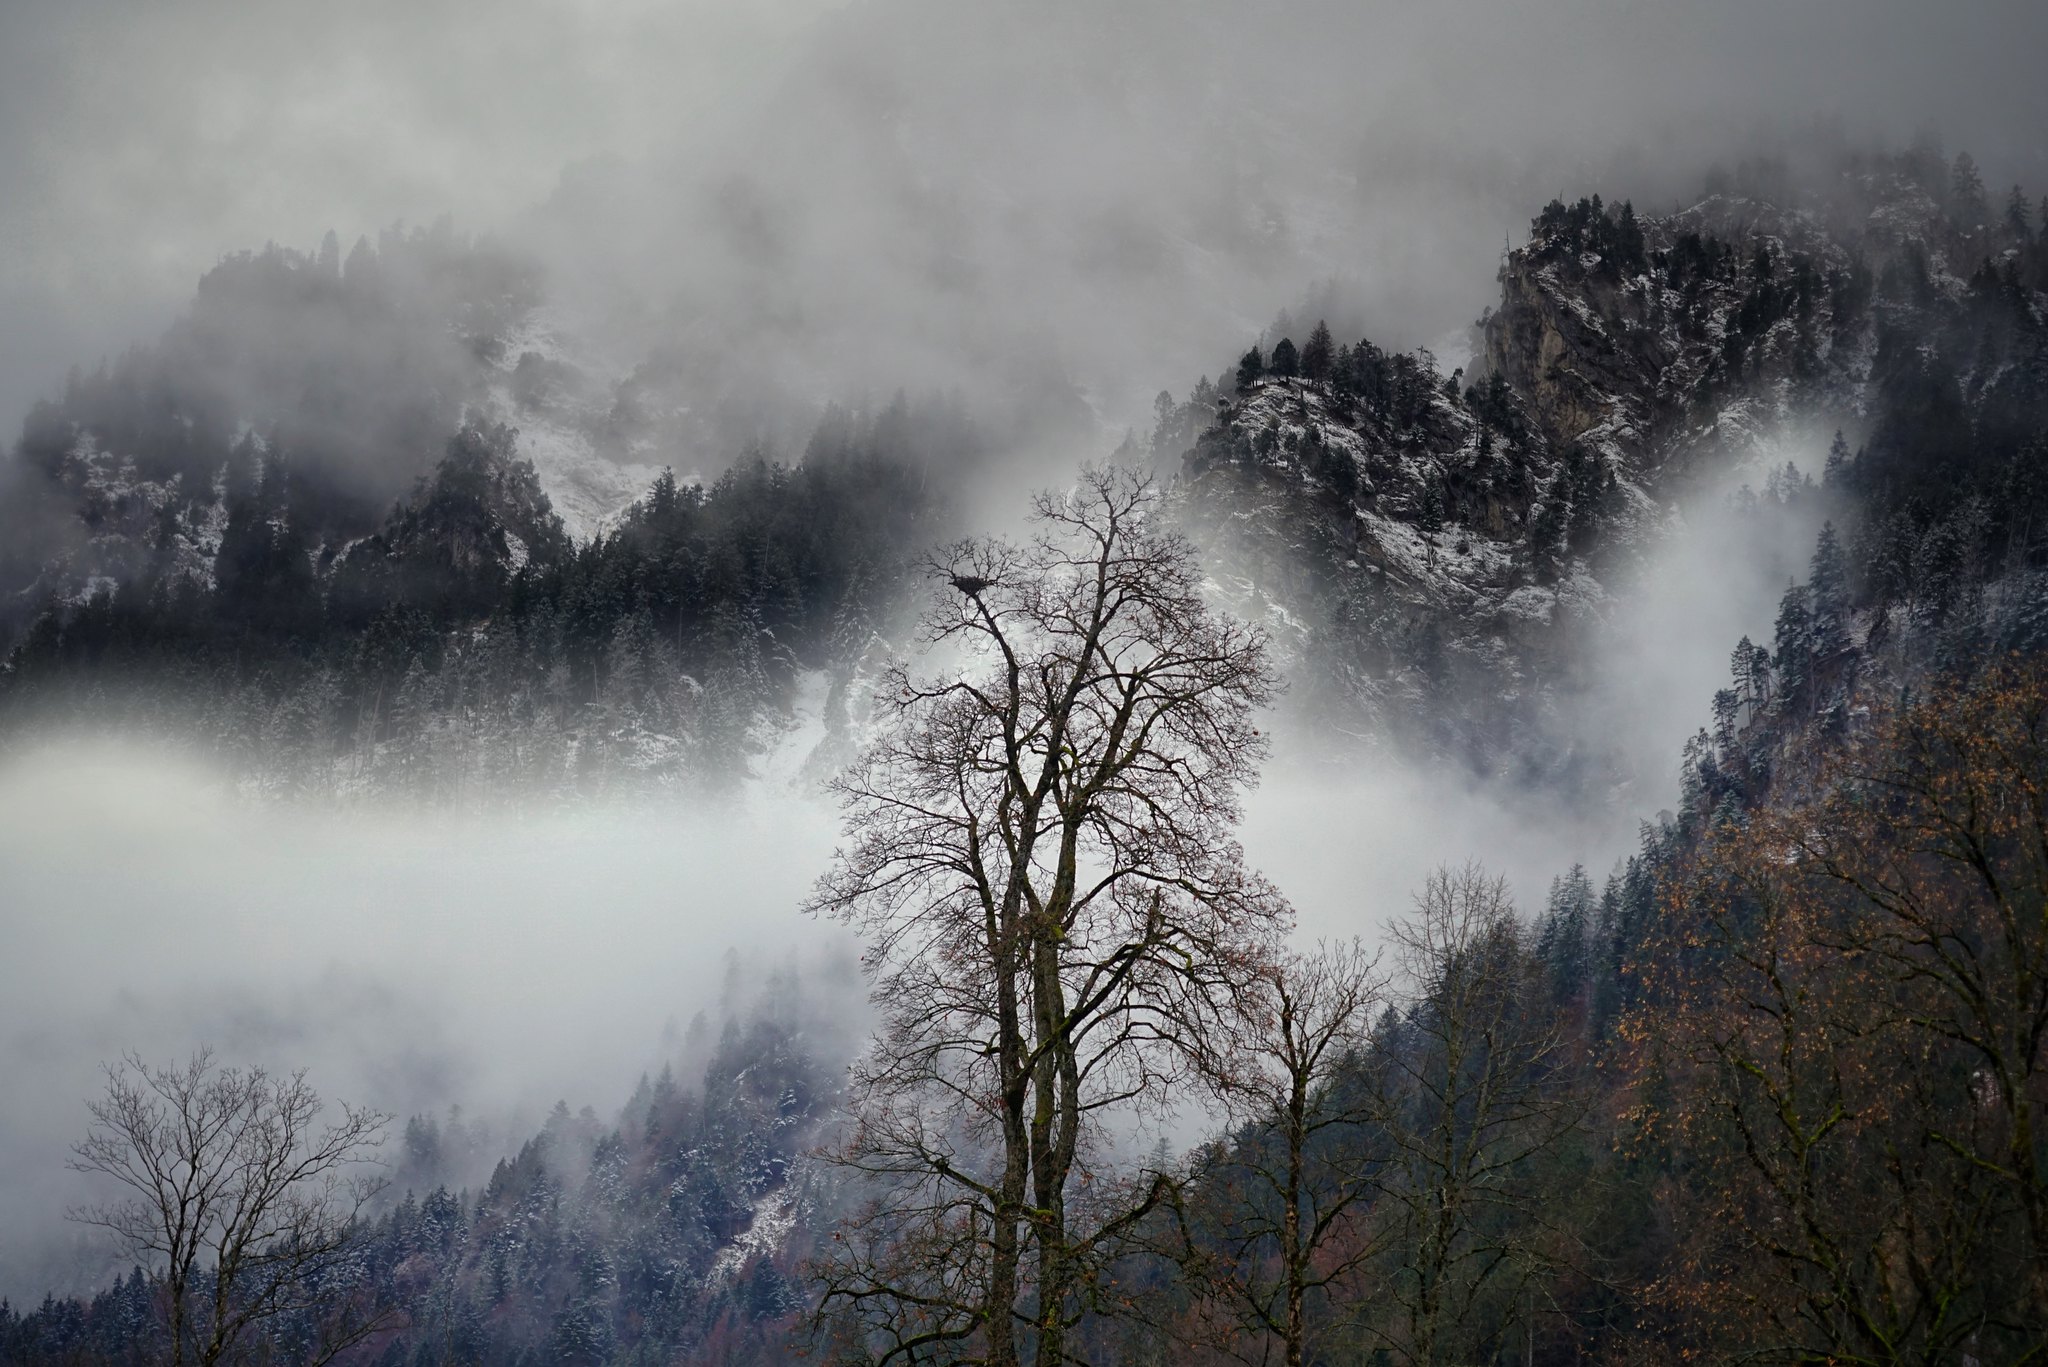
[1434, 554]
[1439, 552]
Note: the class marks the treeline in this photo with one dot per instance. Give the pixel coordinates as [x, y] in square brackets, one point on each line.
[359, 368]
[258, 533]
[467, 645]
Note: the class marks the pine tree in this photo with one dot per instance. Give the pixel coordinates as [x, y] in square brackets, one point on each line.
[1628, 240]
[1286, 362]
[361, 266]
[1739, 669]
[1251, 367]
[1966, 194]
[1727, 716]
[1828, 596]
[1319, 354]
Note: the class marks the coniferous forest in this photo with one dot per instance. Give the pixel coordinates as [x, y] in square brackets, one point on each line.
[1737, 1053]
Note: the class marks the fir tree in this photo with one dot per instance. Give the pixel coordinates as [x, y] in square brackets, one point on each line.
[1319, 354]
[1966, 194]
[1286, 362]
[1251, 367]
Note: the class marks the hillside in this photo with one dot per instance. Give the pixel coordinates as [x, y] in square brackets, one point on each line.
[1435, 556]
[1439, 552]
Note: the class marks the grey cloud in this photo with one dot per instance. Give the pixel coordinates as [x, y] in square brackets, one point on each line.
[894, 186]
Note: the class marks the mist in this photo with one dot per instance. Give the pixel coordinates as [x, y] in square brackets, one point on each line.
[1052, 210]
[408, 960]
[1351, 841]
[908, 193]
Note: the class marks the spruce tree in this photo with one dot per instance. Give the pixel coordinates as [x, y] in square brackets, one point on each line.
[1286, 361]
[1251, 367]
[1319, 354]
[1561, 943]
[1966, 194]
[1828, 596]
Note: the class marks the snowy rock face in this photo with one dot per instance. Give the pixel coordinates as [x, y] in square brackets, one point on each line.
[1434, 551]
[565, 406]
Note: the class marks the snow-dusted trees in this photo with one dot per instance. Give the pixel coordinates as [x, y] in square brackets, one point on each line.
[1286, 360]
[1319, 353]
[1041, 859]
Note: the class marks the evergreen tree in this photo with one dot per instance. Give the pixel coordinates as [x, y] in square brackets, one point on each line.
[1567, 920]
[1628, 240]
[1727, 717]
[1430, 516]
[1966, 194]
[1828, 596]
[1837, 465]
[1794, 642]
[1251, 367]
[2016, 216]
[1286, 362]
[1319, 355]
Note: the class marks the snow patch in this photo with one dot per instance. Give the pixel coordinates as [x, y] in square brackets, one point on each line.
[774, 1220]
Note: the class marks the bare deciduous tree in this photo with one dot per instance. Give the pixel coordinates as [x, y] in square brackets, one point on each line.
[1041, 858]
[1848, 1025]
[242, 1203]
[1472, 1091]
[1270, 1219]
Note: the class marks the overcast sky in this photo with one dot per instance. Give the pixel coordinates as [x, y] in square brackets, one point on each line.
[1056, 155]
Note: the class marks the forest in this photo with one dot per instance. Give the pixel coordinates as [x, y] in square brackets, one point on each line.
[1775, 1089]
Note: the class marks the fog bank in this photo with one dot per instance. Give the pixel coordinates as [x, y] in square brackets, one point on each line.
[408, 961]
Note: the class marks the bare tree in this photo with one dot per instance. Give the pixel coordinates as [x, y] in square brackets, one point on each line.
[1269, 1220]
[1041, 857]
[241, 1202]
[1472, 1091]
[1847, 1018]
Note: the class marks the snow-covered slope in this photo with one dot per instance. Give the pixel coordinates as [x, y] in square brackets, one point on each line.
[1434, 551]
[561, 401]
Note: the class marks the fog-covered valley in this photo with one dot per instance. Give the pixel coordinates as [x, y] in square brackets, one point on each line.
[545, 628]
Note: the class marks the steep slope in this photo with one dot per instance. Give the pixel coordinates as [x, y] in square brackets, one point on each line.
[1436, 550]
